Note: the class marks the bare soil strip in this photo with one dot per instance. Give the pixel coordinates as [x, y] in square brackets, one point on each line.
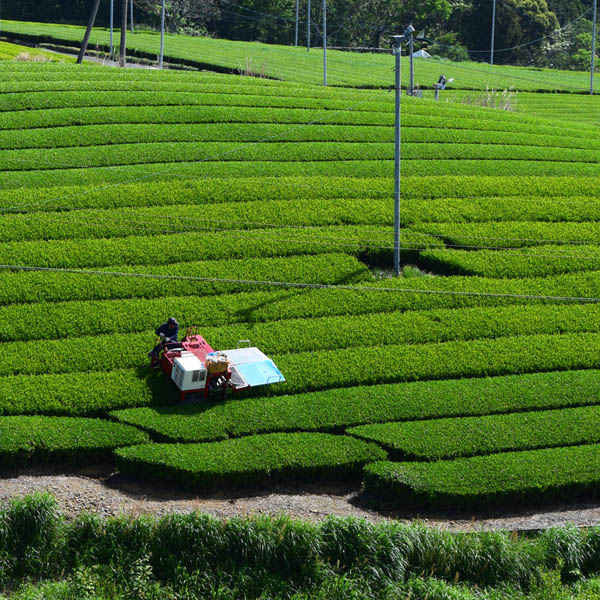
[97, 490]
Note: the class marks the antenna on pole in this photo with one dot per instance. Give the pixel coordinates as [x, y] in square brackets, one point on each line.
[88, 31]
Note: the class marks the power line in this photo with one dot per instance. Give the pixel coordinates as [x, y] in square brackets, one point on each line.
[301, 285]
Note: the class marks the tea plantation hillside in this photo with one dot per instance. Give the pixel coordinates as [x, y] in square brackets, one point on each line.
[296, 64]
[132, 196]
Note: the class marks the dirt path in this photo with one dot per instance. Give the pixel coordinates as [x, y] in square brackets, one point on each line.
[97, 491]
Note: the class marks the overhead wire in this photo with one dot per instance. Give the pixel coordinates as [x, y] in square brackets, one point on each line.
[301, 285]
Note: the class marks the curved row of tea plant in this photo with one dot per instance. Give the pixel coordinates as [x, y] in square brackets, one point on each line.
[156, 247]
[541, 261]
[468, 436]
[70, 439]
[273, 168]
[426, 199]
[96, 135]
[516, 234]
[312, 371]
[125, 350]
[42, 320]
[252, 460]
[307, 216]
[523, 477]
[337, 409]
[149, 281]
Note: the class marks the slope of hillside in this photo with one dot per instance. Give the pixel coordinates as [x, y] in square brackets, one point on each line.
[135, 196]
[296, 64]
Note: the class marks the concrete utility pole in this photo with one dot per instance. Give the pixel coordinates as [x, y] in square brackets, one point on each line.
[325, 43]
[112, 19]
[411, 48]
[123, 58]
[593, 49]
[297, 15]
[88, 32]
[308, 28]
[397, 41]
[493, 32]
[162, 35]
[131, 15]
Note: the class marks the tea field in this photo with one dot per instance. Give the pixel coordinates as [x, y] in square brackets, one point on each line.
[263, 210]
[296, 64]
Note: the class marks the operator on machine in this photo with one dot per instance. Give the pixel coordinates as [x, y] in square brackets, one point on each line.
[168, 333]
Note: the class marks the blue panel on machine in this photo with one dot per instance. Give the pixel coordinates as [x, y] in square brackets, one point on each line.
[260, 373]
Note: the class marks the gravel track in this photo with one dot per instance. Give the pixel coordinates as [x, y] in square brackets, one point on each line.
[97, 490]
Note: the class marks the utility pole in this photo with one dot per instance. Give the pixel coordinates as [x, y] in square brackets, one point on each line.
[397, 41]
[412, 65]
[131, 15]
[308, 28]
[123, 58]
[112, 18]
[162, 35]
[593, 49]
[297, 15]
[325, 43]
[493, 31]
[88, 31]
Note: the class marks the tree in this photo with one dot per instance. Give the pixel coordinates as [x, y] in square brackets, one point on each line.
[518, 22]
[187, 16]
[270, 21]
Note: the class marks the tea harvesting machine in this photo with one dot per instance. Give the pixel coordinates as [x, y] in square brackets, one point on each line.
[199, 371]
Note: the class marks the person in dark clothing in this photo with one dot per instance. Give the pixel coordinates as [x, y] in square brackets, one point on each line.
[168, 333]
[170, 330]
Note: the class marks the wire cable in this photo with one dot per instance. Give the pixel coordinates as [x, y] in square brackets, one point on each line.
[301, 285]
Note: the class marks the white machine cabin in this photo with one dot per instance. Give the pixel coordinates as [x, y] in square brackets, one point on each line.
[189, 372]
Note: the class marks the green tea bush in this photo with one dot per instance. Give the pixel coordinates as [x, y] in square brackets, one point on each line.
[357, 167]
[541, 261]
[467, 436]
[335, 409]
[524, 477]
[29, 286]
[28, 439]
[78, 394]
[42, 320]
[252, 460]
[514, 234]
[118, 351]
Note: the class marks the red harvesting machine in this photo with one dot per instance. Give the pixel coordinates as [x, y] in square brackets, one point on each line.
[200, 371]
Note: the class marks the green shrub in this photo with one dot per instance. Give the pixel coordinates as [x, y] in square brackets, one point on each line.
[335, 409]
[523, 477]
[451, 438]
[118, 351]
[251, 461]
[541, 261]
[29, 286]
[29, 439]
